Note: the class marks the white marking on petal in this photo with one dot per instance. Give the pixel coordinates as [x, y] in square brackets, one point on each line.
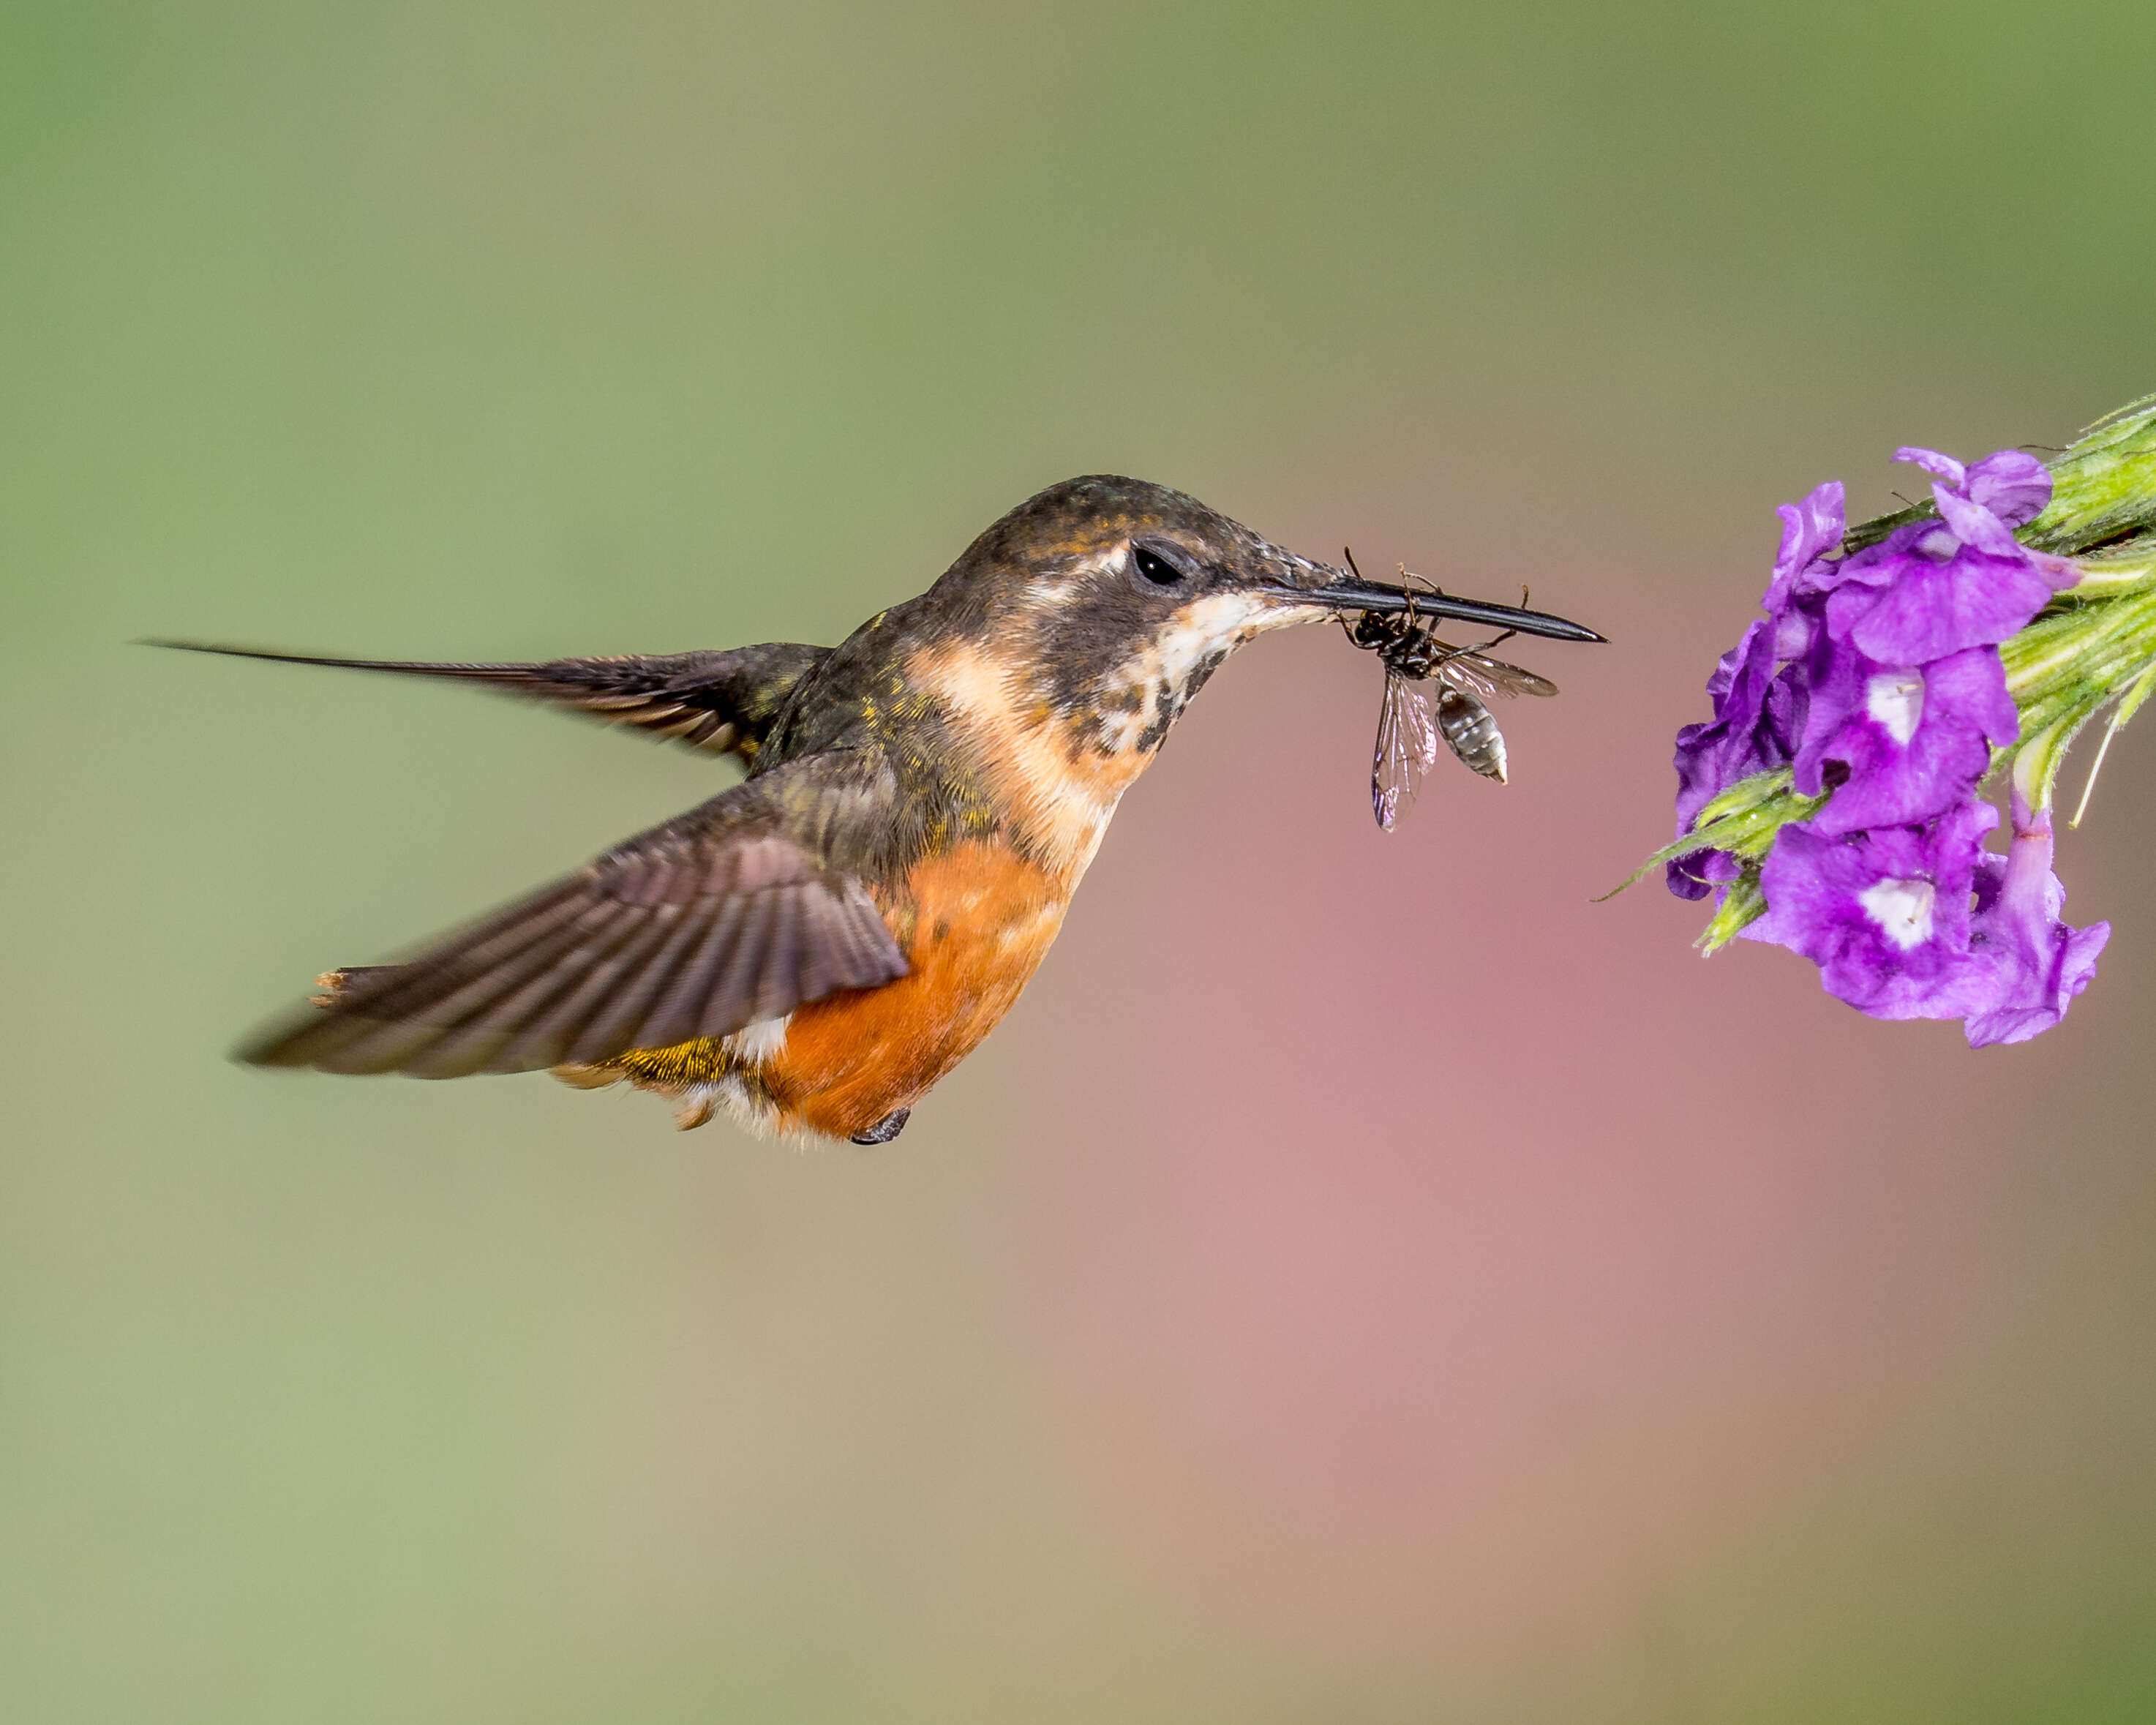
[1895, 699]
[1940, 545]
[1902, 909]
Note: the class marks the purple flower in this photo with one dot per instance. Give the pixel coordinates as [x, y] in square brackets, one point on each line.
[1905, 742]
[1744, 736]
[1811, 530]
[2011, 485]
[2033, 964]
[1887, 916]
[1884, 914]
[1758, 716]
[1934, 588]
[1877, 679]
[1700, 873]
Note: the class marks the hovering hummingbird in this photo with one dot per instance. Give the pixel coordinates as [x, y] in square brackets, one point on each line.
[816, 947]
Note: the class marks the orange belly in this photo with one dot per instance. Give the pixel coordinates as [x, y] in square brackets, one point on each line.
[981, 920]
[974, 924]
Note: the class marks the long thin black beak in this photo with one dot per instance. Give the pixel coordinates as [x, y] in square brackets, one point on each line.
[1351, 593]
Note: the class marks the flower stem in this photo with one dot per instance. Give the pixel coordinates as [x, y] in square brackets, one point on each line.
[2094, 646]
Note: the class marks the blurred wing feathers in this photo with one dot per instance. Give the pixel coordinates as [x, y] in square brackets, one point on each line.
[696, 929]
[720, 702]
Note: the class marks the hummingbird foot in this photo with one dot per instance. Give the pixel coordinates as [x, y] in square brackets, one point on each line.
[886, 1129]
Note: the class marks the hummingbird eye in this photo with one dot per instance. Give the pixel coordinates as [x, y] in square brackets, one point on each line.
[1155, 567]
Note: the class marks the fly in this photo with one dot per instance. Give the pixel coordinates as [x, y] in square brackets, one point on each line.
[1410, 724]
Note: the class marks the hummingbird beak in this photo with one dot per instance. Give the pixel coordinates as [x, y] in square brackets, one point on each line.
[1299, 581]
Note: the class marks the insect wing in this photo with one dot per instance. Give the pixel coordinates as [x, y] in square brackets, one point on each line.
[1407, 748]
[1489, 678]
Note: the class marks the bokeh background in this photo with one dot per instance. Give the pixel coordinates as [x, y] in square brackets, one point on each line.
[1364, 1279]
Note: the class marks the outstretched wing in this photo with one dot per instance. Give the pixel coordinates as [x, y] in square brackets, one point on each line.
[722, 702]
[732, 913]
[1488, 678]
[1406, 749]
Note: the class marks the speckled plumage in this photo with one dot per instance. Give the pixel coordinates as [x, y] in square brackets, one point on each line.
[816, 947]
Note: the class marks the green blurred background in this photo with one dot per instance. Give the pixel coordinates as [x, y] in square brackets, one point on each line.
[1363, 1280]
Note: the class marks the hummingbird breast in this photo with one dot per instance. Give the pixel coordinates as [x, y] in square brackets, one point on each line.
[1052, 785]
[1024, 751]
[974, 922]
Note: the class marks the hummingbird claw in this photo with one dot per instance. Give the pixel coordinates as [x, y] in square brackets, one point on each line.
[886, 1129]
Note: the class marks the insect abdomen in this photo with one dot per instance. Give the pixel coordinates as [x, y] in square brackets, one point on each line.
[1470, 732]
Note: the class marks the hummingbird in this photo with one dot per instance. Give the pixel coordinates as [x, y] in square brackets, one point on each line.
[814, 947]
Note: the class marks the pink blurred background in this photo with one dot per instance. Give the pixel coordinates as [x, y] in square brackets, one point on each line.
[1365, 1279]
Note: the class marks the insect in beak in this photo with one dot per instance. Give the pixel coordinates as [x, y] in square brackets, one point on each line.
[1463, 679]
[1349, 594]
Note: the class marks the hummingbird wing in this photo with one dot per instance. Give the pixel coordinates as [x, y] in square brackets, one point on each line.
[720, 702]
[733, 913]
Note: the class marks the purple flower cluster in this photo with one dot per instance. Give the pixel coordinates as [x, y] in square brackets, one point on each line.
[1877, 676]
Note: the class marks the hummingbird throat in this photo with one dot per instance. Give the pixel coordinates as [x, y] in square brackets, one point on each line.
[1058, 757]
[1139, 700]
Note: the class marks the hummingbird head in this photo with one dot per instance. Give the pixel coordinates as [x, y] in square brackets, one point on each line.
[1115, 600]
[1073, 632]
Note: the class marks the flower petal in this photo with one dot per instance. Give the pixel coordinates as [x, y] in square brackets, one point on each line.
[2033, 964]
[2013, 484]
[1975, 524]
[2072, 968]
[1911, 741]
[1810, 529]
[1884, 914]
[1736, 743]
[1927, 609]
[1944, 467]
[1696, 875]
